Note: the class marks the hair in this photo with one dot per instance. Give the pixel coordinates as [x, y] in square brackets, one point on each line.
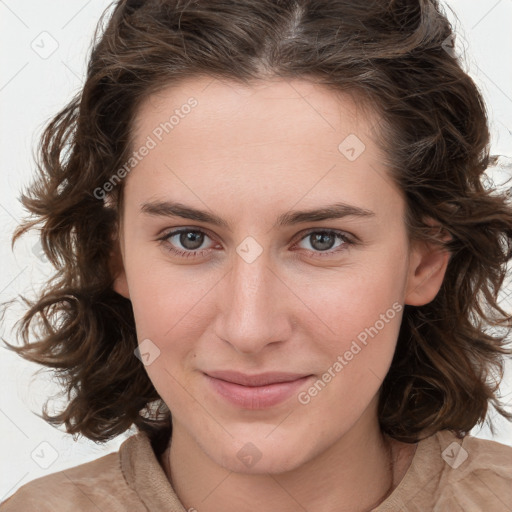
[433, 128]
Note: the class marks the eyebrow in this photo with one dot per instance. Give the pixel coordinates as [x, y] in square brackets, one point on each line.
[332, 211]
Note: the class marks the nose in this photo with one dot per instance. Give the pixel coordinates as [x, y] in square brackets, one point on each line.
[253, 306]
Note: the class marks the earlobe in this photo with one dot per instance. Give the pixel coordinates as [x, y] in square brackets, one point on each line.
[427, 269]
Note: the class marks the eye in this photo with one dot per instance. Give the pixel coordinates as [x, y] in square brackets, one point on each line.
[322, 241]
[190, 239]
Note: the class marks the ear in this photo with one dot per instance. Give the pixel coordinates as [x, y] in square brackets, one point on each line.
[118, 271]
[427, 267]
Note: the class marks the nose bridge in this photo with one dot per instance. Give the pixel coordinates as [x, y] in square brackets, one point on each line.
[251, 310]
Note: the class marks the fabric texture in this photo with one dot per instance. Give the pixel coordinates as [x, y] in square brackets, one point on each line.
[446, 475]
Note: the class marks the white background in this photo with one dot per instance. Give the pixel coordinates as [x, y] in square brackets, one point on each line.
[33, 87]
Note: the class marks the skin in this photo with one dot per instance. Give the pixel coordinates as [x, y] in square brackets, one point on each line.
[250, 154]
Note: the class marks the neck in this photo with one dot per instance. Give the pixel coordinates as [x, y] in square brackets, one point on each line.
[355, 474]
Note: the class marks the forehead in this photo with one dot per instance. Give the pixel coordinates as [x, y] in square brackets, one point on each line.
[276, 140]
[262, 109]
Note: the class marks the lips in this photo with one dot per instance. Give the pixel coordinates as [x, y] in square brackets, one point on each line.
[255, 391]
[262, 379]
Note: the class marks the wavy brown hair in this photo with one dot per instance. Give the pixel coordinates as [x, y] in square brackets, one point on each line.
[449, 358]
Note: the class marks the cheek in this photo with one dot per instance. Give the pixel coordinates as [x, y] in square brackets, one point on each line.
[162, 296]
[365, 301]
[356, 339]
[356, 359]
[169, 310]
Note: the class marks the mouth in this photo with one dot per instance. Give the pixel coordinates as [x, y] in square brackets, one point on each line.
[261, 379]
[255, 391]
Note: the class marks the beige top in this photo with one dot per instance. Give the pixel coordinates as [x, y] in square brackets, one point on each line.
[446, 475]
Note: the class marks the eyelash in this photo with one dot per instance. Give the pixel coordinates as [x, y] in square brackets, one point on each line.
[164, 240]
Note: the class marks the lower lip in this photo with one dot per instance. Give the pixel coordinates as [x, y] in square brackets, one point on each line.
[257, 397]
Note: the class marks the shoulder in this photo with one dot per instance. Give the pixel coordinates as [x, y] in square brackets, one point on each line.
[92, 486]
[476, 473]
[451, 474]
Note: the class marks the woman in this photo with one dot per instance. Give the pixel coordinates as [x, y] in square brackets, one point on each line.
[275, 257]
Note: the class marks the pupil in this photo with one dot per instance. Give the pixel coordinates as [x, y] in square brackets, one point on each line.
[191, 240]
[321, 238]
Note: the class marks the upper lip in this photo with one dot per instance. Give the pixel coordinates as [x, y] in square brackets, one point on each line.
[261, 379]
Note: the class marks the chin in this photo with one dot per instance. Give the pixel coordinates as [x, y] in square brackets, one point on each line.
[260, 456]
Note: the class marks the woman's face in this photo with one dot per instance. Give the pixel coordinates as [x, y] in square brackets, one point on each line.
[255, 286]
